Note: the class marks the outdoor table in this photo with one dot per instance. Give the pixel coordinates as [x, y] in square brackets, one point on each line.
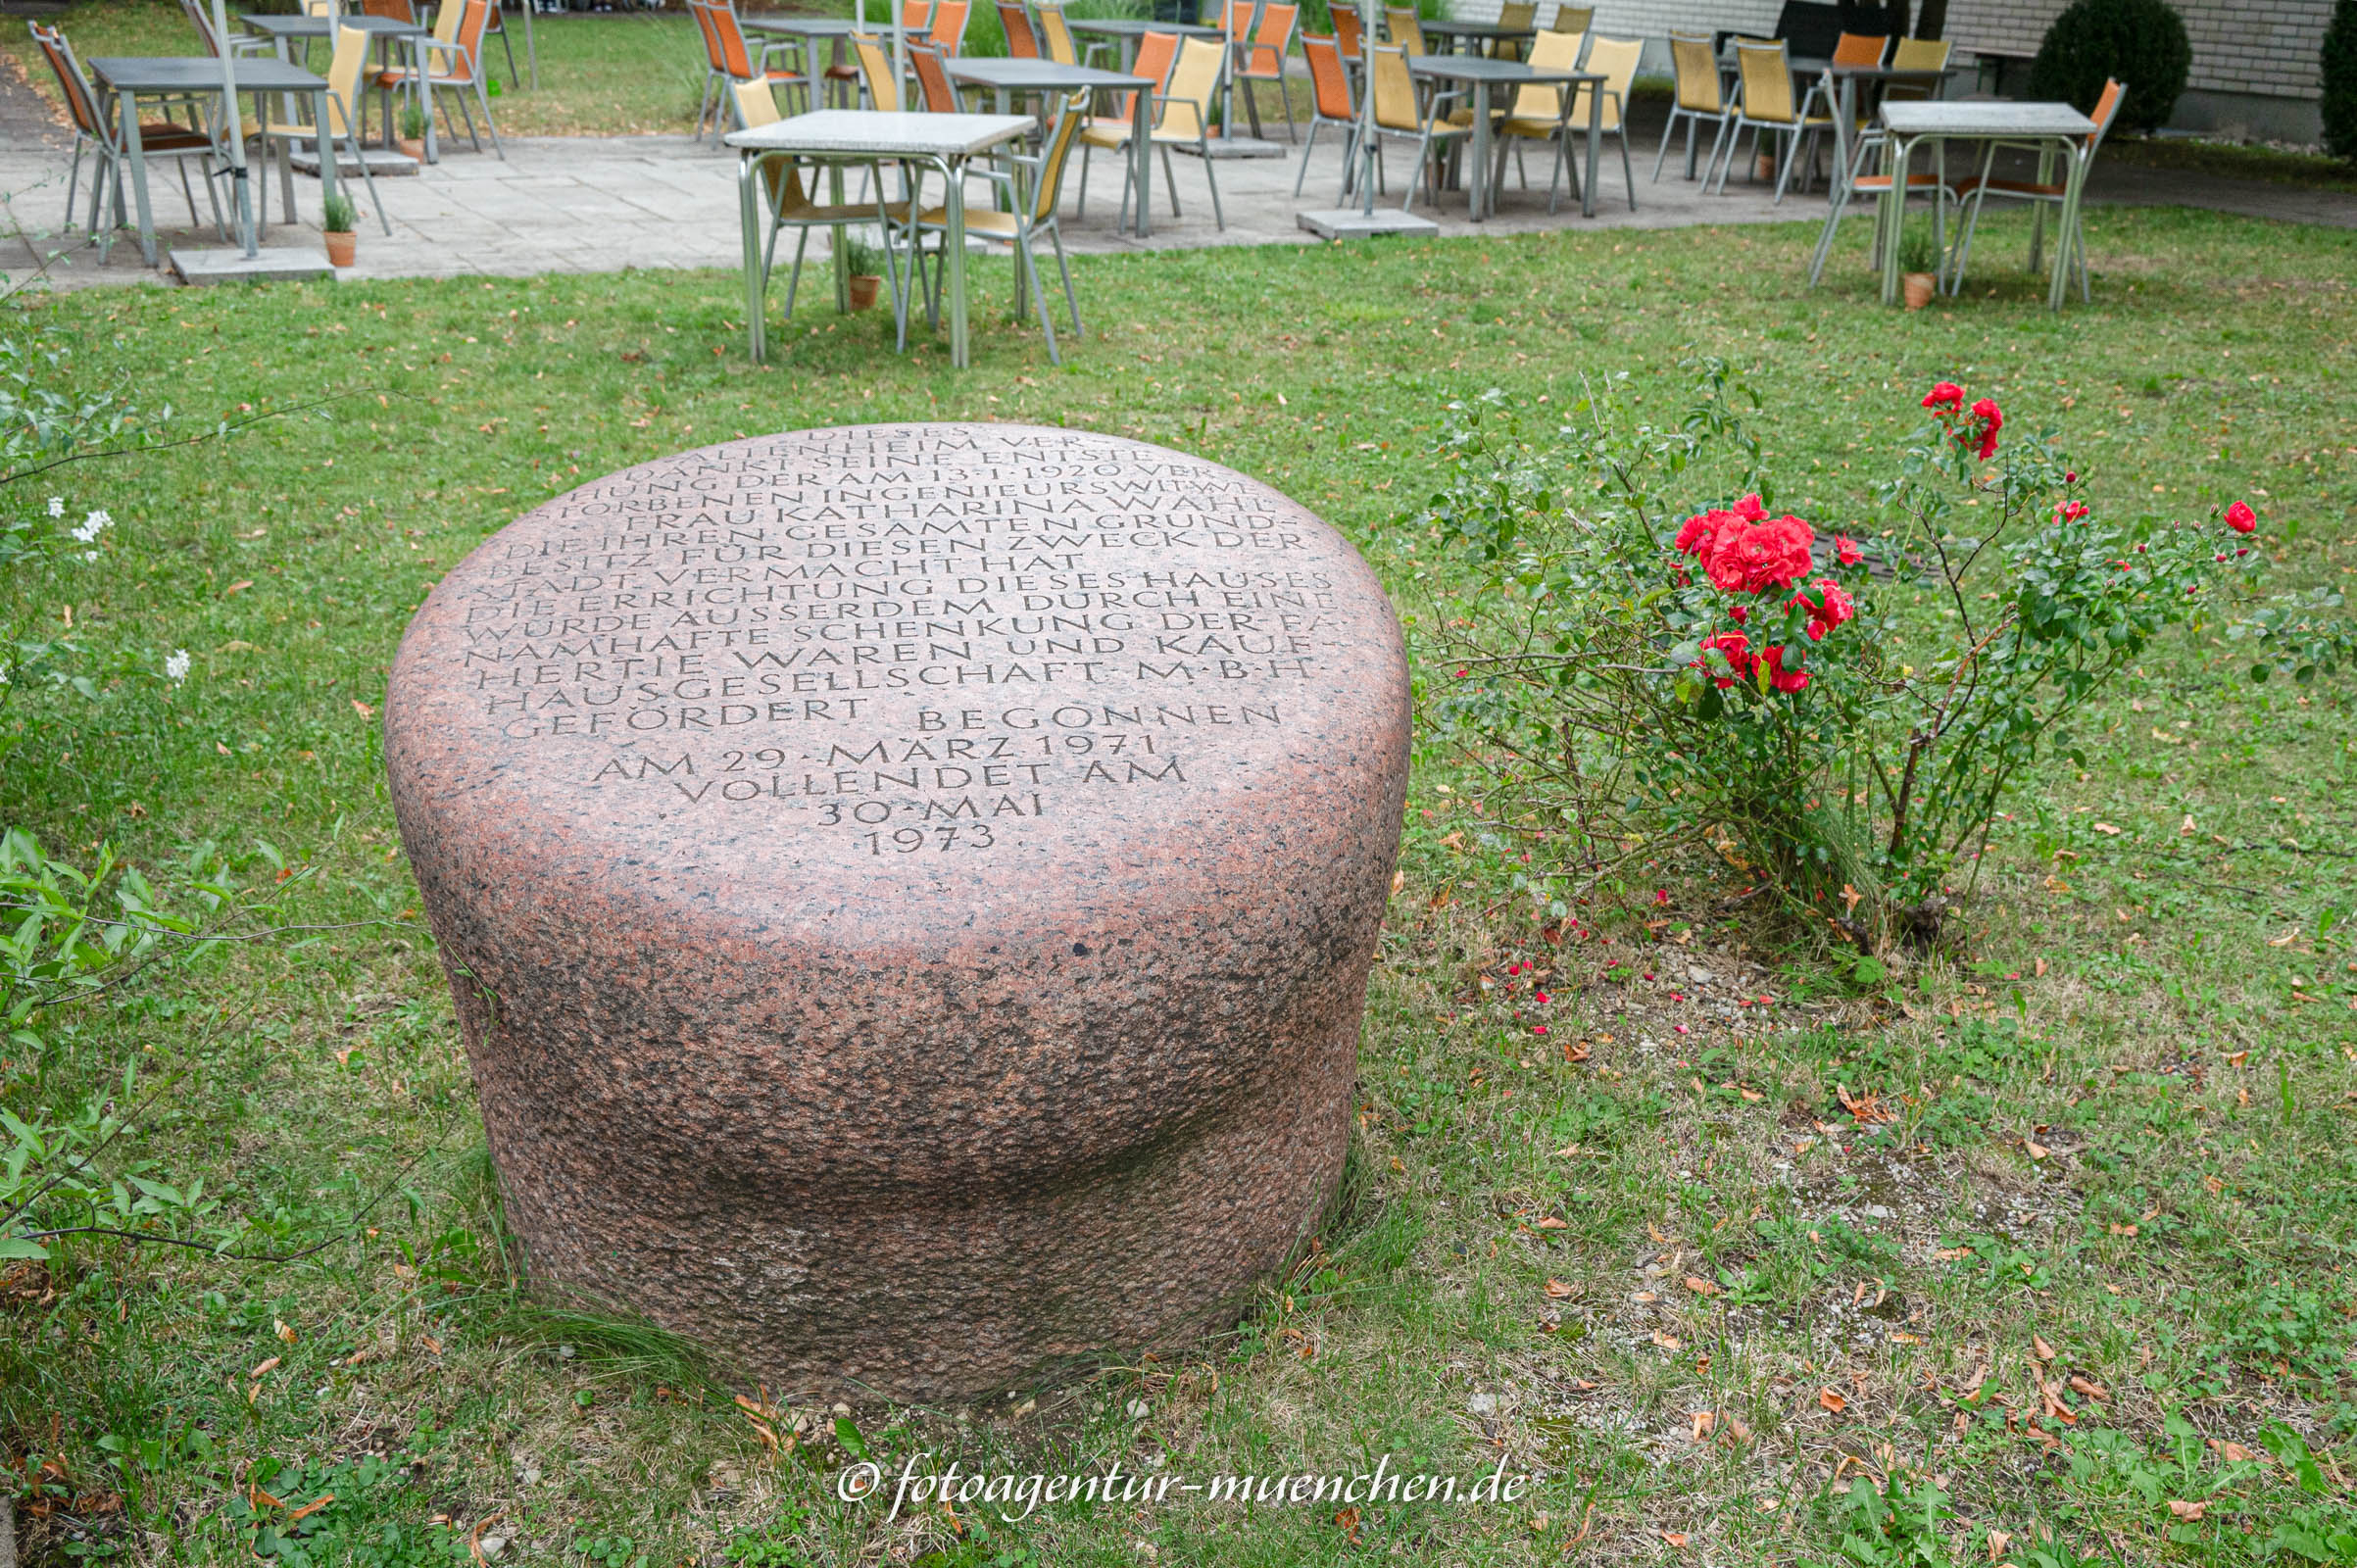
[386, 31]
[1841, 86]
[2054, 127]
[1129, 29]
[1483, 73]
[124, 78]
[1461, 34]
[945, 142]
[1006, 77]
[813, 30]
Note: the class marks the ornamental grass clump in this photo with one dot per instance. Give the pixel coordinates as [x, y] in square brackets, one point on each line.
[1836, 713]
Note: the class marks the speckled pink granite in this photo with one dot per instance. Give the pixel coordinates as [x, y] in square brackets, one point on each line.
[909, 890]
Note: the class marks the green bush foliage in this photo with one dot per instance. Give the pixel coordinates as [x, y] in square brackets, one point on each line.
[2339, 103]
[2142, 43]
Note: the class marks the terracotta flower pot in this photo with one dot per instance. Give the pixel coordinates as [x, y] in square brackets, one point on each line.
[409, 148]
[341, 247]
[1763, 167]
[863, 286]
[1919, 287]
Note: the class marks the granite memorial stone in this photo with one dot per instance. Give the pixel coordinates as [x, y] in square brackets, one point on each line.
[909, 890]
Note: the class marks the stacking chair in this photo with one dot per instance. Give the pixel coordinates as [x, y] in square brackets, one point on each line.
[1021, 42]
[1056, 34]
[1262, 59]
[1032, 185]
[96, 132]
[876, 74]
[791, 205]
[1182, 114]
[344, 68]
[1615, 60]
[1870, 190]
[1699, 98]
[1769, 104]
[949, 25]
[916, 15]
[1330, 104]
[1113, 131]
[456, 66]
[1514, 14]
[732, 61]
[1573, 18]
[1397, 114]
[1861, 48]
[1406, 28]
[1346, 32]
[2046, 192]
[1538, 112]
[933, 79]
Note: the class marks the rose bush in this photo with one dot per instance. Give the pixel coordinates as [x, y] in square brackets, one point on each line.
[1838, 713]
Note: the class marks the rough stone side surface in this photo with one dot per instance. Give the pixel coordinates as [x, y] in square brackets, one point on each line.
[909, 891]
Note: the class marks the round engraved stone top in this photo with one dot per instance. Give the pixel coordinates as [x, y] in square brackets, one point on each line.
[899, 678]
[909, 890]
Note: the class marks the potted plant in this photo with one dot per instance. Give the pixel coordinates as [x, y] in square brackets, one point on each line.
[864, 264]
[1918, 260]
[338, 219]
[412, 140]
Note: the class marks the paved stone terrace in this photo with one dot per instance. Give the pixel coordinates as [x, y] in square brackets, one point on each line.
[593, 205]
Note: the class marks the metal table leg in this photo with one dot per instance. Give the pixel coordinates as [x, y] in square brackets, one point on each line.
[1480, 150]
[1141, 151]
[2066, 224]
[1596, 135]
[127, 108]
[325, 141]
[1894, 223]
[757, 341]
[953, 243]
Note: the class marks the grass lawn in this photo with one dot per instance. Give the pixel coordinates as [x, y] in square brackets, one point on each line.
[2093, 1285]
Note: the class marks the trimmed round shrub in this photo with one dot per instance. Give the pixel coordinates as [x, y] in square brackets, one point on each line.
[2340, 104]
[2140, 42]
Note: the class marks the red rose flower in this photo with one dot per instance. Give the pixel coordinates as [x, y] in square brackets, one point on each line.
[1701, 535]
[1783, 679]
[1757, 557]
[1847, 550]
[1945, 397]
[1750, 509]
[1989, 420]
[2241, 517]
[1828, 609]
[1737, 649]
[2070, 511]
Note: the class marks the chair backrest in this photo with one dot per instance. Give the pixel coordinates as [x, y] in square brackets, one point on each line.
[1574, 18]
[477, 17]
[730, 56]
[1272, 40]
[1055, 153]
[1518, 14]
[1346, 31]
[1860, 48]
[2107, 109]
[704, 25]
[1155, 52]
[1236, 19]
[1615, 60]
[82, 104]
[1767, 78]
[933, 79]
[875, 69]
[445, 21]
[200, 18]
[1395, 89]
[1194, 80]
[1329, 81]
[755, 103]
[320, 8]
[1695, 66]
[390, 10]
[916, 15]
[949, 23]
[1407, 28]
[344, 66]
[1021, 42]
[1056, 34]
[1920, 53]
[1549, 51]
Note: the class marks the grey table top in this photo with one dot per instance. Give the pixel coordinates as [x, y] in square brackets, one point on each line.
[1480, 67]
[317, 27]
[1138, 27]
[1044, 73]
[882, 134]
[1890, 73]
[1935, 118]
[817, 27]
[198, 73]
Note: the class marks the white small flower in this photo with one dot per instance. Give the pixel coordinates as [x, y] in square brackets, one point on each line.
[176, 667]
[96, 523]
[4, 674]
[89, 554]
[57, 506]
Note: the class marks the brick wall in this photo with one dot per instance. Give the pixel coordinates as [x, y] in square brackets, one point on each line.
[2265, 47]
